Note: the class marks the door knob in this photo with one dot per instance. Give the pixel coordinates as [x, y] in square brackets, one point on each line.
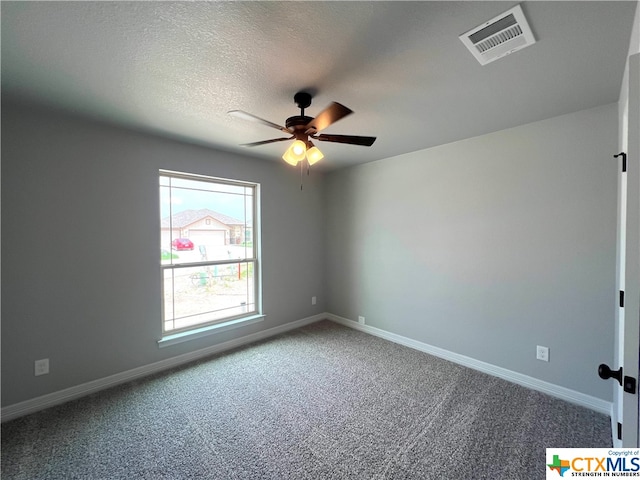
[605, 372]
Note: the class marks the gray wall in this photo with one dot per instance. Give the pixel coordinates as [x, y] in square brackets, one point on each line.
[80, 237]
[484, 247]
[488, 247]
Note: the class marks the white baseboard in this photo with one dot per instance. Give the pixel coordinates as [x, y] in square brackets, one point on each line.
[582, 399]
[45, 401]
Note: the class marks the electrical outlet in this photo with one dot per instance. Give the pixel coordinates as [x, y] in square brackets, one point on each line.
[41, 367]
[313, 300]
[542, 353]
[361, 320]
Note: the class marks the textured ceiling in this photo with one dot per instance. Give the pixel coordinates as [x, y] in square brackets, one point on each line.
[176, 68]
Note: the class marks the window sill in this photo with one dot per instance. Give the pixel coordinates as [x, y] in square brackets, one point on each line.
[208, 330]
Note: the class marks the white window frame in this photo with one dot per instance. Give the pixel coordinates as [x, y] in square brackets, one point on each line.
[178, 335]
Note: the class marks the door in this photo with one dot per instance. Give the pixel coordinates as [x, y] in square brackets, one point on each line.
[627, 352]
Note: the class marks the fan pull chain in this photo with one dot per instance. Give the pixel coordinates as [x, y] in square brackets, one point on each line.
[302, 170]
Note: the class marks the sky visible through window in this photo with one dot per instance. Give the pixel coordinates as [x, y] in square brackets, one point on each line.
[186, 194]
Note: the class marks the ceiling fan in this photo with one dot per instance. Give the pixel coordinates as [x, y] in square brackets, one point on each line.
[302, 129]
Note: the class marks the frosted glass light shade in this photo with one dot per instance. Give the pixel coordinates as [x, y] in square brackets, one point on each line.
[314, 155]
[294, 153]
[289, 157]
[298, 148]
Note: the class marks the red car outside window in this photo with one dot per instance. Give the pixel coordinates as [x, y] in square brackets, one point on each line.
[182, 244]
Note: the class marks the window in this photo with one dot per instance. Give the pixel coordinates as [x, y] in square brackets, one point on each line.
[209, 252]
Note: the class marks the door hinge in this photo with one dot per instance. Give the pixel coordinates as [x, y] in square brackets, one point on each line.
[619, 431]
[622, 298]
[624, 160]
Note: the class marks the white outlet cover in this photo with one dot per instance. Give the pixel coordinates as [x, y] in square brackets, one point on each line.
[542, 353]
[41, 367]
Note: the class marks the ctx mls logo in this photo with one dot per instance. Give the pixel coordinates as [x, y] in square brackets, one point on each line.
[592, 462]
[559, 465]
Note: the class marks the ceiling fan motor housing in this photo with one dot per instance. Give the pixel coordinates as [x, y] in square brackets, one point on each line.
[298, 126]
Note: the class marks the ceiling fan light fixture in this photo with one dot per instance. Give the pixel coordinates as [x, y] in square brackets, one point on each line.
[314, 155]
[298, 148]
[295, 153]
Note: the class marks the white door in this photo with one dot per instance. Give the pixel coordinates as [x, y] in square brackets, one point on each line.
[625, 414]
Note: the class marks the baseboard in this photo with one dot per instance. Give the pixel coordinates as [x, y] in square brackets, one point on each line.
[33, 405]
[588, 401]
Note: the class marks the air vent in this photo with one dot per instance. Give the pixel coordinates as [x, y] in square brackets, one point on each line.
[500, 36]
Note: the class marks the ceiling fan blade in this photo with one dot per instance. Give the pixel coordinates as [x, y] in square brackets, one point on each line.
[253, 118]
[329, 115]
[351, 139]
[264, 142]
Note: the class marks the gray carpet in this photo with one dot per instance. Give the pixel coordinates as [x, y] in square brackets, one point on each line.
[320, 402]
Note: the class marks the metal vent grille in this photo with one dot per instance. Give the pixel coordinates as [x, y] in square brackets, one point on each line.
[500, 36]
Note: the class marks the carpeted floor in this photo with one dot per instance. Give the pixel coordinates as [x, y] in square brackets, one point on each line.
[320, 402]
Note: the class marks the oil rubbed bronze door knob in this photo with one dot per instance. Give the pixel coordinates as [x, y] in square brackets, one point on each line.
[605, 373]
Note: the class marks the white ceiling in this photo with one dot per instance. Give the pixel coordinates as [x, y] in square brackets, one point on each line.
[176, 68]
